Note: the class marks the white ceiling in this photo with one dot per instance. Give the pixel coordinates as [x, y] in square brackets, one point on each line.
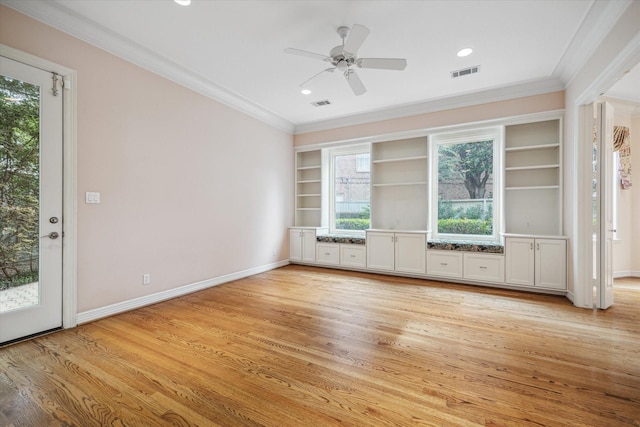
[233, 50]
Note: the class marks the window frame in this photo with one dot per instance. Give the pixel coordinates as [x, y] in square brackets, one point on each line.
[495, 134]
[332, 154]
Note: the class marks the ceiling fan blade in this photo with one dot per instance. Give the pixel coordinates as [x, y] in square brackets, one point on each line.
[301, 52]
[355, 82]
[382, 63]
[305, 83]
[356, 37]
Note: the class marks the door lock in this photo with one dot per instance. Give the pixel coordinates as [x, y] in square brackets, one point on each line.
[53, 220]
[53, 235]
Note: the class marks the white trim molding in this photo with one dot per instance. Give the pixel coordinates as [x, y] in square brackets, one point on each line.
[627, 273]
[58, 16]
[121, 307]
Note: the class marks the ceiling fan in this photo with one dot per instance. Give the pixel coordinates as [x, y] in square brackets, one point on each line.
[344, 56]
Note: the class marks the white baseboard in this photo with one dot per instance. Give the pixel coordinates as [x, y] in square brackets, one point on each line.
[120, 307]
[628, 273]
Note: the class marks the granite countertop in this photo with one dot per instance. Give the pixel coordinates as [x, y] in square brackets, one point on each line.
[434, 244]
[468, 246]
[341, 238]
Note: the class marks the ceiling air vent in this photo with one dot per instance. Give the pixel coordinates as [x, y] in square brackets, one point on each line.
[321, 103]
[465, 71]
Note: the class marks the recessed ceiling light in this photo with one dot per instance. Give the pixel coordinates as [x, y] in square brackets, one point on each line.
[465, 52]
[183, 2]
[305, 92]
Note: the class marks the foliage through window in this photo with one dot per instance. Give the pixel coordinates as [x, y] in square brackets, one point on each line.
[20, 177]
[350, 190]
[465, 185]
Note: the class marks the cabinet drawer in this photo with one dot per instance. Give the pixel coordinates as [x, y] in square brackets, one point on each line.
[352, 255]
[487, 268]
[444, 263]
[327, 253]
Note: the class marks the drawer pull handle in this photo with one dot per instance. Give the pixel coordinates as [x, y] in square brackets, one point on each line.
[443, 263]
[352, 256]
[483, 267]
[327, 253]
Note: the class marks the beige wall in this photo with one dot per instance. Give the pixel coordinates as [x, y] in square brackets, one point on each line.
[634, 218]
[628, 212]
[191, 189]
[455, 116]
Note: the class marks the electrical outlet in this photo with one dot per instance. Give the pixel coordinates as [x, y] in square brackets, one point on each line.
[146, 279]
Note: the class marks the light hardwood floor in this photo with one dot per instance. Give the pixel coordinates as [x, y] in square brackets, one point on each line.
[303, 346]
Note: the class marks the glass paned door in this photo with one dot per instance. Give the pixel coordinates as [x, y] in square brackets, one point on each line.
[30, 201]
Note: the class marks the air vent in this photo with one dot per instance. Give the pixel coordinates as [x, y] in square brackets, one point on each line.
[321, 103]
[465, 71]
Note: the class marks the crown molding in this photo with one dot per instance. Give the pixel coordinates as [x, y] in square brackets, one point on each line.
[503, 93]
[595, 26]
[60, 17]
[597, 23]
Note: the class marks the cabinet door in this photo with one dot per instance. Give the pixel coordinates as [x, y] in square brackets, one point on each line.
[410, 252]
[380, 250]
[353, 256]
[328, 253]
[444, 263]
[309, 245]
[519, 261]
[295, 244]
[551, 255]
[484, 267]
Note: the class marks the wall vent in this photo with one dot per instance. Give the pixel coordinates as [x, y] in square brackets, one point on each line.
[321, 103]
[465, 71]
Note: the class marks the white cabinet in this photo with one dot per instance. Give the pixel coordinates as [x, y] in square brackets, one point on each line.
[353, 256]
[484, 267]
[302, 244]
[551, 263]
[328, 253]
[537, 262]
[402, 252]
[444, 263]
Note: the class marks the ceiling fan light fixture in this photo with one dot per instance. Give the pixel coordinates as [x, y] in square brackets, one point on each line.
[183, 2]
[465, 52]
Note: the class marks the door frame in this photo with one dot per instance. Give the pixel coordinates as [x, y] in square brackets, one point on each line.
[626, 59]
[69, 176]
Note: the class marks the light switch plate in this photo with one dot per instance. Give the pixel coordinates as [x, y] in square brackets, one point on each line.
[92, 197]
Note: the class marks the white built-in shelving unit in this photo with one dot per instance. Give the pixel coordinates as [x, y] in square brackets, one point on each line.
[533, 178]
[399, 191]
[310, 189]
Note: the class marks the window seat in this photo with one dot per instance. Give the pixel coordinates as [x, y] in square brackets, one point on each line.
[341, 238]
[466, 245]
[435, 244]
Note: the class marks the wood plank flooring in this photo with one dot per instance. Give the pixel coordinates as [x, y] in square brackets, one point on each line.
[304, 346]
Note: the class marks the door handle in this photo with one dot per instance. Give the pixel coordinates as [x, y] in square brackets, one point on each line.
[53, 235]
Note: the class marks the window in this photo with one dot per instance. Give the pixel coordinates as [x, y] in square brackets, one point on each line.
[350, 189]
[465, 192]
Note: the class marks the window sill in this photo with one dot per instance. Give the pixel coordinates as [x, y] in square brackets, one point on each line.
[341, 238]
[466, 246]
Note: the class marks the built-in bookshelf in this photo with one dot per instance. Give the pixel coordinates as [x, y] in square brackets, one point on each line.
[533, 178]
[310, 192]
[399, 191]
